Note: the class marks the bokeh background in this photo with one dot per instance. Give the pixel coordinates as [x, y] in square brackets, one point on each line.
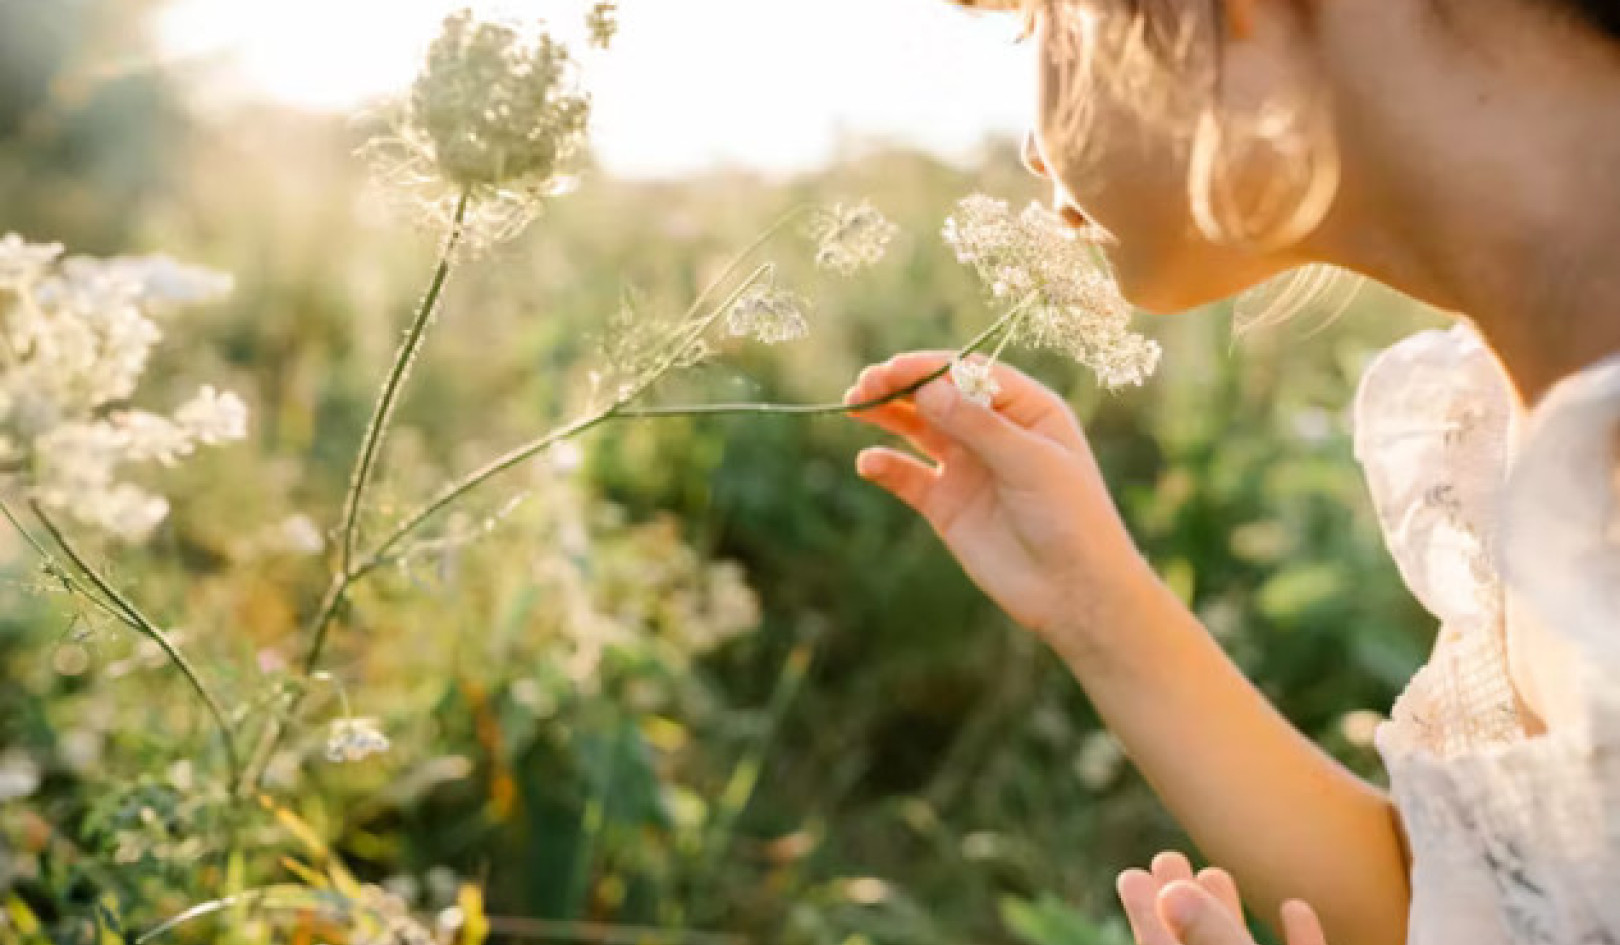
[698, 682]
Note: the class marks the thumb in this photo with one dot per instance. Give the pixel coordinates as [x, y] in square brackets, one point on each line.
[1197, 918]
[992, 439]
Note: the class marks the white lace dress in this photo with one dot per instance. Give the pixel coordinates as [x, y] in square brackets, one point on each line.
[1507, 527]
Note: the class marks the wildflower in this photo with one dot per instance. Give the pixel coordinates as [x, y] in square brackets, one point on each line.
[1100, 760]
[79, 333]
[22, 263]
[212, 417]
[1073, 305]
[851, 238]
[769, 315]
[975, 380]
[603, 23]
[496, 115]
[354, 739]
[19, 776]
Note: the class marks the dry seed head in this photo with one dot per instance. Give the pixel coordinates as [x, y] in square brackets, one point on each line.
[497, 107]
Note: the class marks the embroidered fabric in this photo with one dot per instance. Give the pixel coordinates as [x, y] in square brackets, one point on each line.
[1506, 528]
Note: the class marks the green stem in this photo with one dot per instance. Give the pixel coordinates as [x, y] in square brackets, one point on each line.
[384, 410]
[139, 620]
[811, 410]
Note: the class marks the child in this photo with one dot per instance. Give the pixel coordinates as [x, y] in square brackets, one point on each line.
[1464, 152]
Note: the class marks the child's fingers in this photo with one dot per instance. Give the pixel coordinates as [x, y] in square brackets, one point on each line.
[1012, 454]
[1300, 924]
[1170, 867]
[1220, 884]
[1139, 894]
[1195, 917]
[901, 419]
[909, 479]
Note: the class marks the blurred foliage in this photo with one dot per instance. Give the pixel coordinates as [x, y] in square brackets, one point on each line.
[586, 739]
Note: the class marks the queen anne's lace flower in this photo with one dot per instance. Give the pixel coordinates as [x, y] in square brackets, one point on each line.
[354, 739]
[496, 114]
[851, 237]
[77, 336]
[768, 314]
[1073, 303]
[976, 381]
[213, 417]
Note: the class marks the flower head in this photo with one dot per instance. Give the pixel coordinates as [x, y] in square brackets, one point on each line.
[1073, 304]
[768, 314]
[851, 237]
[354, 739]
[496, 114]
[976, 381]
[79, 333]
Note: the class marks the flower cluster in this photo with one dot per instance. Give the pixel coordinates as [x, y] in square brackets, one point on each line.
[976, 381]
[768, 314]
[1072, 304]
[75, 336]
[495, 116]
[851, 237]
[354, 739]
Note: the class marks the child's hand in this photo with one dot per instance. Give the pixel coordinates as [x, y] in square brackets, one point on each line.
[1013, 491]
[1171, 906]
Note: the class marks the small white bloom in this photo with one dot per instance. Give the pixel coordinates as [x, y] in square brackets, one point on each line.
[213, 417]
[1100, 760]
[296, 534]
[769, 315]
[565, 457]
[354, 739]
[22, 263]
[976, 381]
[148, 436]
[851, 238]
[19, 776]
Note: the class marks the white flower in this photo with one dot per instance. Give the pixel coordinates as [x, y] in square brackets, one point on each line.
[354, 739]
[298, 534]
[851, 238]
[496, 105]
[213, 417]
[78, 337]
[148, 436]
[22, 263]
[768, 314]
[159, 279]
[19, 776]
[1100, 760]
[976, 381]
[1073, 303]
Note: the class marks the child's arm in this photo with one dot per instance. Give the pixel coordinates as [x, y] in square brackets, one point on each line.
[1015, 494]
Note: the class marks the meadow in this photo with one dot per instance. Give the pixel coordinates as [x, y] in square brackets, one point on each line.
[678, 679]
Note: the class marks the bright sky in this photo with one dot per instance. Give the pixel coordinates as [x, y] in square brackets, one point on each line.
[771, 84]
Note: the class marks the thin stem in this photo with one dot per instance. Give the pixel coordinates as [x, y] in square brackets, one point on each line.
[811, 410]
[134, 616]
[384, 410]
[69, 582]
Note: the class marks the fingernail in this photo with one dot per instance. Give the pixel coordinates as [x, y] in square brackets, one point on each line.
[1181, 904]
